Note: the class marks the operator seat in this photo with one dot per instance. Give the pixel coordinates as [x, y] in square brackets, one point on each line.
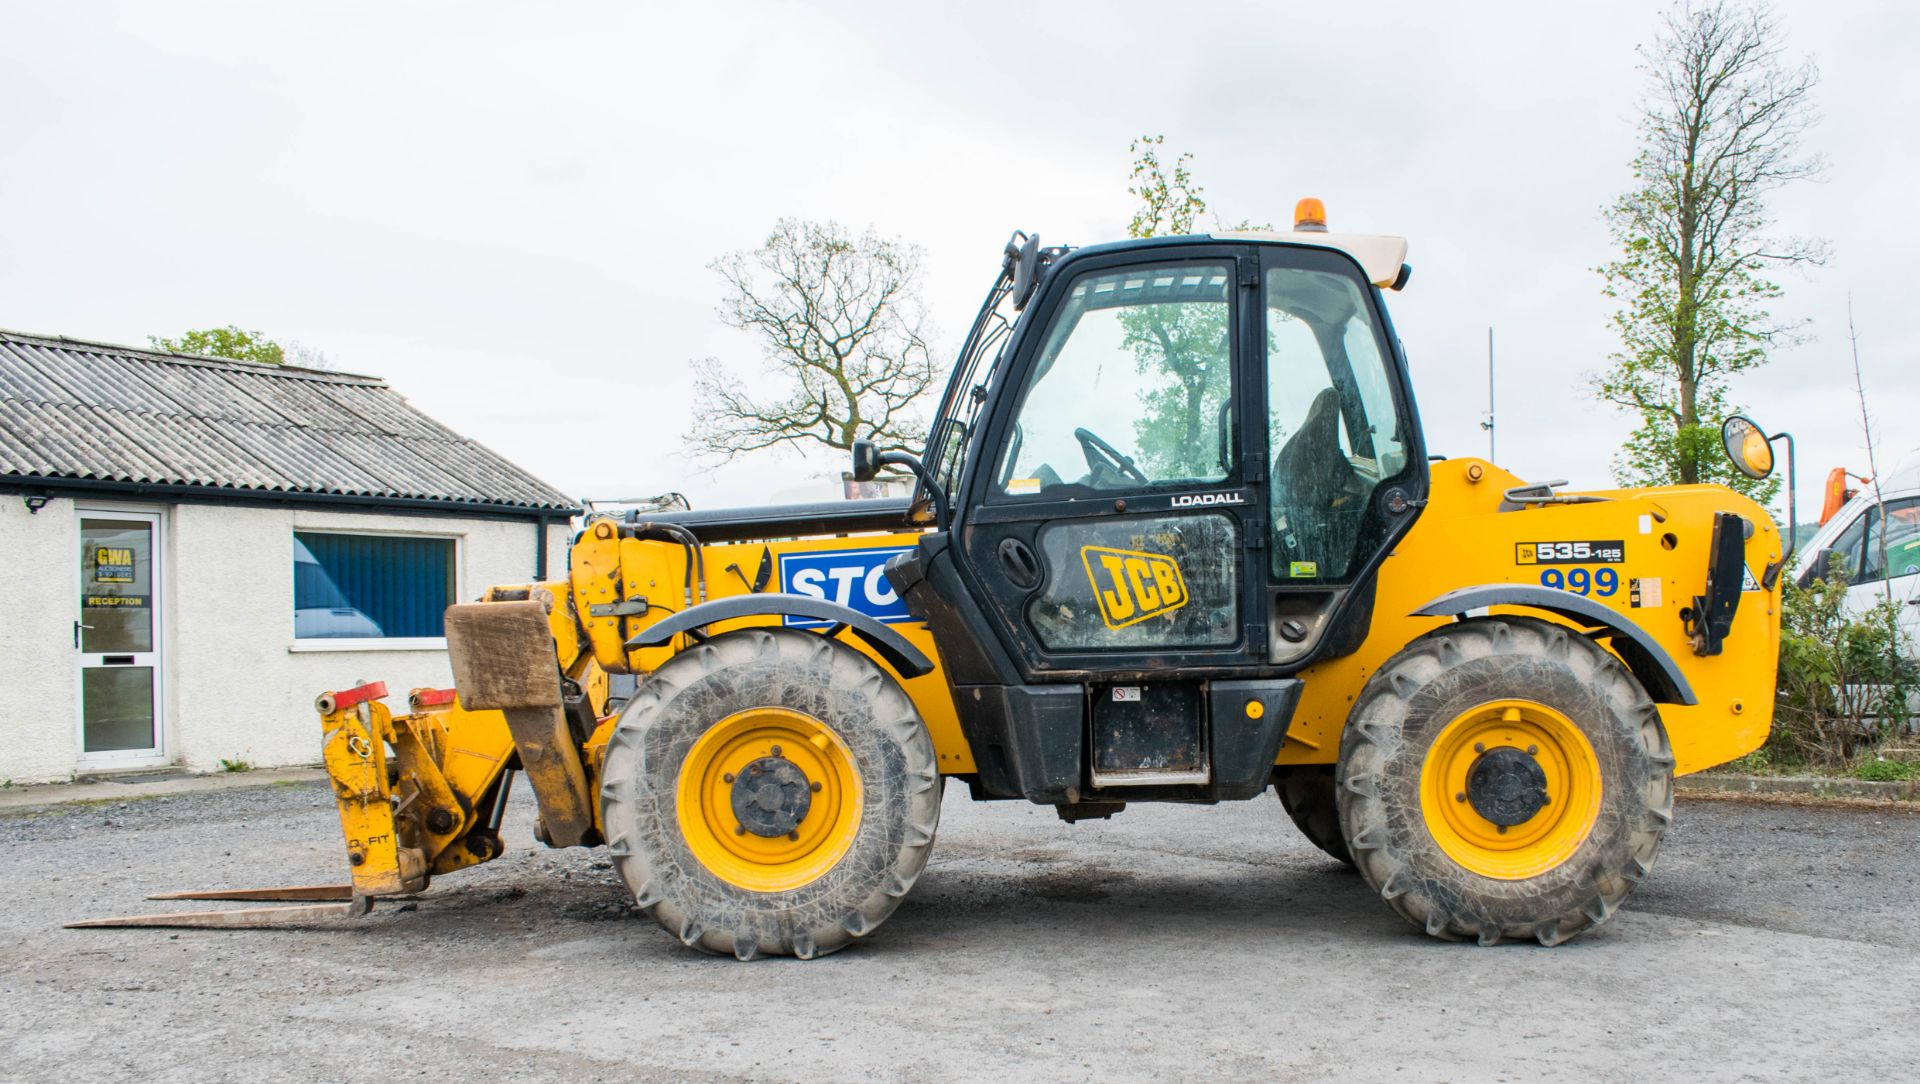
[1318, 498]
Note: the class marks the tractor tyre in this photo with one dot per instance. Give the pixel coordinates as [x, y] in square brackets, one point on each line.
[1504, 778]
[1308, 795]
[770, 792]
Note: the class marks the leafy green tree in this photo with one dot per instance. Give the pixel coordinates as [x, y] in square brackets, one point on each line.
[223, 342]
[1170, 203]
[1721, 127]
[1187, 342]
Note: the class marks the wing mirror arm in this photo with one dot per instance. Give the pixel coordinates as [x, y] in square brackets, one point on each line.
[868, 461]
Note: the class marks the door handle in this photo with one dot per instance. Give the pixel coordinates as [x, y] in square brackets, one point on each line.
[77, 626]
[1019, 563]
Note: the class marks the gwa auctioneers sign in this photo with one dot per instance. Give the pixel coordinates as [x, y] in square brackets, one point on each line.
[855, 579]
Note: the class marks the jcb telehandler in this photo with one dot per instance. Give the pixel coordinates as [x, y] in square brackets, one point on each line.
[1176, 538]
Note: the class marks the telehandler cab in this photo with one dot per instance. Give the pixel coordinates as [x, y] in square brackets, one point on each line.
[1177, 537]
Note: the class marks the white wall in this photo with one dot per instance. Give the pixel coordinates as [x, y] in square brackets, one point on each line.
[237, 684]
[40, 686]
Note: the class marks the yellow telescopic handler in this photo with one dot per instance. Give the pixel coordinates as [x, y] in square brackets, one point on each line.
[1176, 537]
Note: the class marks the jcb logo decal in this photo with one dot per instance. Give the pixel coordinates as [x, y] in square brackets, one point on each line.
[1133, 586]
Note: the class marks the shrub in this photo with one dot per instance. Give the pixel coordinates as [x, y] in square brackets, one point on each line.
[1844, 680]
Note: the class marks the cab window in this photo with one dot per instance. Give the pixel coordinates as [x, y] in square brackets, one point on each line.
[1132, 386]
[1897, 534]
[1332, 422]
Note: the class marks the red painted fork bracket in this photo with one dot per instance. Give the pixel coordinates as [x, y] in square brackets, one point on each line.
[373, 690]
[429, 698]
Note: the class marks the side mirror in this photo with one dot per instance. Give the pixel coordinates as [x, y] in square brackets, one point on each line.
[1023, 264]
[866, 461]
[1750, 449]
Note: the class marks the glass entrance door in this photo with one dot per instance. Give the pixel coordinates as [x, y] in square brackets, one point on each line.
[117, 636]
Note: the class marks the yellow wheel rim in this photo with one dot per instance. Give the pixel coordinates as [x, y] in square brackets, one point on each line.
[727, 753]
[1566, 763]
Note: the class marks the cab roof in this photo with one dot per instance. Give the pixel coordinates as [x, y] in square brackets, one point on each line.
[1379, 255]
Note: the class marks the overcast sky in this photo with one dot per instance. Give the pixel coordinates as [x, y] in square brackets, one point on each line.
[507, 210]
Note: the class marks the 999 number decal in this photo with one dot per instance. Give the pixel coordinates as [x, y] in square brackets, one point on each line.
[1603, 582]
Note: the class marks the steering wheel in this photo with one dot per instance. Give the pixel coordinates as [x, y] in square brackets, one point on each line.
[1099, 453]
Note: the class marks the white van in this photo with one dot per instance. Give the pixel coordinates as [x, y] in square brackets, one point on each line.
[1855, 534]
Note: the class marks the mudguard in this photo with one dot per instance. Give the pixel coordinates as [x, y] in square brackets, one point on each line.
[1651, 665]
[906, 660]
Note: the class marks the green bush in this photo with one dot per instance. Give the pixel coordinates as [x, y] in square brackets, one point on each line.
[1844, 681]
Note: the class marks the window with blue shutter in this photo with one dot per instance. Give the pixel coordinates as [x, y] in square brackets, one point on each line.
[349, 586]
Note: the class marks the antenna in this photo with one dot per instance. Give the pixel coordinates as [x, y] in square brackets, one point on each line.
[1488, 424]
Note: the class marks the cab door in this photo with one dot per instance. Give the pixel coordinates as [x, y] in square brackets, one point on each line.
[1890, 563]
[1110, 528]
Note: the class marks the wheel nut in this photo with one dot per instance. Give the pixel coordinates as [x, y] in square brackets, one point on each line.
[1501, 828]
[741, 829]
[814, 787]
[794, 835]
[1479, 747]
[776, 750]
[727, 777]
[1533, 750]
[1460, 797]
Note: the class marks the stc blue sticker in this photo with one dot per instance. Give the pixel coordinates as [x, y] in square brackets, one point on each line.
[855, 579]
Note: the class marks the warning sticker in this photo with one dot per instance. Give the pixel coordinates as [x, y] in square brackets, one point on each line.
[1644, 591]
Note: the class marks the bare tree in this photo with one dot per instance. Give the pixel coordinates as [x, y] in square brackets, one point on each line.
[1720, 129]
[1873, 463]
[843, 336]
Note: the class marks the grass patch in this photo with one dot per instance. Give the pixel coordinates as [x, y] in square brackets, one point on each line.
[1768, 760]
[235, 766]
[1886, 770]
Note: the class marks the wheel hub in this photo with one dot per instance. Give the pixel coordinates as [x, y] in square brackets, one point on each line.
[1510, 788]
[1506, 786]
[769, 799]
[771, 796]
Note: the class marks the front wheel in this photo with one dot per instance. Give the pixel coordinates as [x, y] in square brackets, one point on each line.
[770, 792]
[1504, 777]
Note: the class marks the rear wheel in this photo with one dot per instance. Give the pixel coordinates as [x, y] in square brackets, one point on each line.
[770, 792]
[1504, 777]
[1308, 795]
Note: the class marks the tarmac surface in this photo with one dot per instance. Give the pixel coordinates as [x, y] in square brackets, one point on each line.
[1772, 942]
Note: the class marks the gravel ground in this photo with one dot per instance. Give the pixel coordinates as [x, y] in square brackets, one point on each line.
[1771, 942]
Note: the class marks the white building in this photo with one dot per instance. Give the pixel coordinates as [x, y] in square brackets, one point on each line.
[195, 548]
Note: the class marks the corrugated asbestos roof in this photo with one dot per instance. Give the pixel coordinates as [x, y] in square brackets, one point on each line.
[79, 410]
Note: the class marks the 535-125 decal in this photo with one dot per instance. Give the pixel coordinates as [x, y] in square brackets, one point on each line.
[1611, 552]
